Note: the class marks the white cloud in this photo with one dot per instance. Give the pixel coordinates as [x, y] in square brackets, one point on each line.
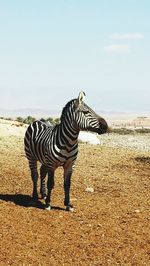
[127, 36]
[117, 48]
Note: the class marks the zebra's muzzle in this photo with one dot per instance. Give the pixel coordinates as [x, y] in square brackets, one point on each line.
[103, 126]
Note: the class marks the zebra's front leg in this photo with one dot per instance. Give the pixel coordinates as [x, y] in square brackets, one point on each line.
[67, 184]
[50, 186]
[43, 173]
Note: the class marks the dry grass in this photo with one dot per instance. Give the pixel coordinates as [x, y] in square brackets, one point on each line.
[109, 226]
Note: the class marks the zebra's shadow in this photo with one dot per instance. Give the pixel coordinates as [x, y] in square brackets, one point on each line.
[25, 201]
[21, 200]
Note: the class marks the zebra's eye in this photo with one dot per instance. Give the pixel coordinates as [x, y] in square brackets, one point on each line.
[85, 112]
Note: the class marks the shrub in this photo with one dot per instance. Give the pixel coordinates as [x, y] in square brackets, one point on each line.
[57, 120]
[142, 130]
[20, 119]
[121, 131]
[51, 120]
[126, 131]
[29, 120]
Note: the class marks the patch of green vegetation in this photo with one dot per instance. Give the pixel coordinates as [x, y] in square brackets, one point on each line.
[6, 118]
[127, 131]
[53, 121]
[121, 131]
[30, 119]
[142, 130]
[20, 119]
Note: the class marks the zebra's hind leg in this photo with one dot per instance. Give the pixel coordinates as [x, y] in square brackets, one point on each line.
[50, 186]
[43, 173]
[34, 175]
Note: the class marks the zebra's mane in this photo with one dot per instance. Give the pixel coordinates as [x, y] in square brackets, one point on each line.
[65, 109]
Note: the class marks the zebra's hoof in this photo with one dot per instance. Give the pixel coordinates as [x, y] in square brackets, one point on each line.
[48, 208]
[69, 208]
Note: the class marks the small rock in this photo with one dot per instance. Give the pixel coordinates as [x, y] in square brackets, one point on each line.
[89, 189]
[99, 225]
[137, 211]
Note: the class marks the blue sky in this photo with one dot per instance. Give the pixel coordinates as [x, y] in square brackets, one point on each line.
[50, 50]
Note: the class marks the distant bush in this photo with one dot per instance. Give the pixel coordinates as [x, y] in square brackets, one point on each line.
[121, 131]
[29, 119]
[126, 131]
[20, 119]
[6, 118]
[53, 121]
[142, 130]
[57, 120]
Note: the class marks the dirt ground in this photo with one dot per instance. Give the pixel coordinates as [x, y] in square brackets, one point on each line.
[110, 226]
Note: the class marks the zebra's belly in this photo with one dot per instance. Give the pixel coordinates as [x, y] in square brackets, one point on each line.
[60, 157]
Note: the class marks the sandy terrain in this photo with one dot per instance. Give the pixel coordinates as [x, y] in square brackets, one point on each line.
[11, 128]
[110, 226]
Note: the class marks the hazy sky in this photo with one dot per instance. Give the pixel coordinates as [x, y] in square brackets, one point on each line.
[52, 49]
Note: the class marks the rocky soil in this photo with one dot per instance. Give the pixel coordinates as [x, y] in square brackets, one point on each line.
[130, 141]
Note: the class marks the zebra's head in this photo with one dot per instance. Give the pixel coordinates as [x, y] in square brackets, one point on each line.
[86, 119]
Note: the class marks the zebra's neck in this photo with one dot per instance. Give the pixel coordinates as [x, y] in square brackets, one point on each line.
[68, 135]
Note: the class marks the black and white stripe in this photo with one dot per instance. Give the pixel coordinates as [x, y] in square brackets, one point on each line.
[55, 146]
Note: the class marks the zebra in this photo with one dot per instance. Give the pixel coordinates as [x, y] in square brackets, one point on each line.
[55, 146]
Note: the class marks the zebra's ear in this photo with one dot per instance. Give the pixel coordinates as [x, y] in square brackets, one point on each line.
[80, 99]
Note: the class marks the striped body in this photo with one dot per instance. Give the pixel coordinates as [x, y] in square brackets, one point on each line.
[47, 145]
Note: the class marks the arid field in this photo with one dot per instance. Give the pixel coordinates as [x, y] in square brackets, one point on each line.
[110, 226]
